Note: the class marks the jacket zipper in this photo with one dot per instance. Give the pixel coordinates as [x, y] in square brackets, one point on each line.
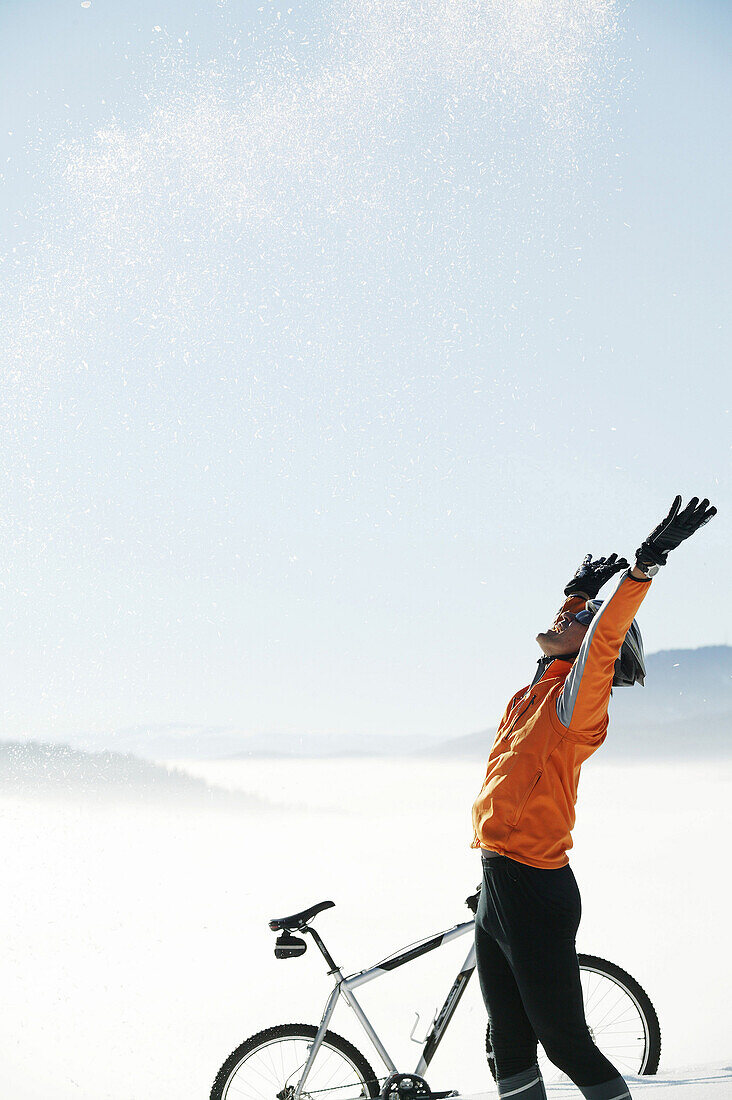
[525, 799]
[518, 716]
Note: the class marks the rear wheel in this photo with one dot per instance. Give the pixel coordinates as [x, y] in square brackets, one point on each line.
[620, 1018]
[269, 1064]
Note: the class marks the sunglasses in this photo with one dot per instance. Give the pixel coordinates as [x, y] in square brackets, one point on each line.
[584, 618]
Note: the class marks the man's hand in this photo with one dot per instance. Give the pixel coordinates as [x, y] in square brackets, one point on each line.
[670, 532]
[591, 575]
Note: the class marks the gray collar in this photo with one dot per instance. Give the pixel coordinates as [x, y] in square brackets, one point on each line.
[544, 662]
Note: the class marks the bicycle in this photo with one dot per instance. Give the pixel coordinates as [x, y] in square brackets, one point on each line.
[302, 1061]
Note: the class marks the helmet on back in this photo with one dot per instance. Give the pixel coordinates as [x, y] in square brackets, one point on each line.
[630, 667]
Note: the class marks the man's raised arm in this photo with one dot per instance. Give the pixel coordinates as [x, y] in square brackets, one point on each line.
[583, 701]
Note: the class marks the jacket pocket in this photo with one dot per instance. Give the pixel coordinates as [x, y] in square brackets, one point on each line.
[522, 804]
[515, 721]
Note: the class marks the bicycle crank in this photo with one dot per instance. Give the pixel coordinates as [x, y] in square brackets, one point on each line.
[408, 1086]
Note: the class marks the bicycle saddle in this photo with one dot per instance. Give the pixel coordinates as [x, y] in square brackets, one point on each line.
[298, 919]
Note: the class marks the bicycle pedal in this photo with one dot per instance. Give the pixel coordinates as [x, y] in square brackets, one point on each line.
[444, 1095]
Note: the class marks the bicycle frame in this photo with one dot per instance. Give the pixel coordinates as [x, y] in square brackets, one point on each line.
[344, 987]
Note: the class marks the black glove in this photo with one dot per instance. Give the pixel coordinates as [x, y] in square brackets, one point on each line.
[591, 575]
[472, 901]
[671, 531]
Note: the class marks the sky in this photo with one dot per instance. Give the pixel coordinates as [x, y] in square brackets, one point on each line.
[334, 336]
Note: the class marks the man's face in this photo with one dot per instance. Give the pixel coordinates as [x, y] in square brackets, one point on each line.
[566, 638]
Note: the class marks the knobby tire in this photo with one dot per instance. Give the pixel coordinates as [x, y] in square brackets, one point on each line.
[281, 1034]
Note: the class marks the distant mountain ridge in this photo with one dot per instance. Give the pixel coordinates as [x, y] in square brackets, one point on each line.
[48, 771]
[176, 741]
[684, 709]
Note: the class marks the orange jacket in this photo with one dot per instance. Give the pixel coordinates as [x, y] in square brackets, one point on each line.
[525, 808]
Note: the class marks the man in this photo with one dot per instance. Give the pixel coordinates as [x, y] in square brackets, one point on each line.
[529, 908]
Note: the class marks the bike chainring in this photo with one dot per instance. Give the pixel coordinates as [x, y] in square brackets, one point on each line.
[405, 1086]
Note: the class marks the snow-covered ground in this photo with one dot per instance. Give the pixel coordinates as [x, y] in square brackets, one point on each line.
[685, 1083]
[136, 952]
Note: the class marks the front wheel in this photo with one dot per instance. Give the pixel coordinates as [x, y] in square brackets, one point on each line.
[269, 1065]
[620, 1018]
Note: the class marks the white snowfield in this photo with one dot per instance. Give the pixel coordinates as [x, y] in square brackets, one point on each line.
[136, 953]
[686, 1083]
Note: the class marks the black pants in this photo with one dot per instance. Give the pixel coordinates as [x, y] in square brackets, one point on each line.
[525, 930]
